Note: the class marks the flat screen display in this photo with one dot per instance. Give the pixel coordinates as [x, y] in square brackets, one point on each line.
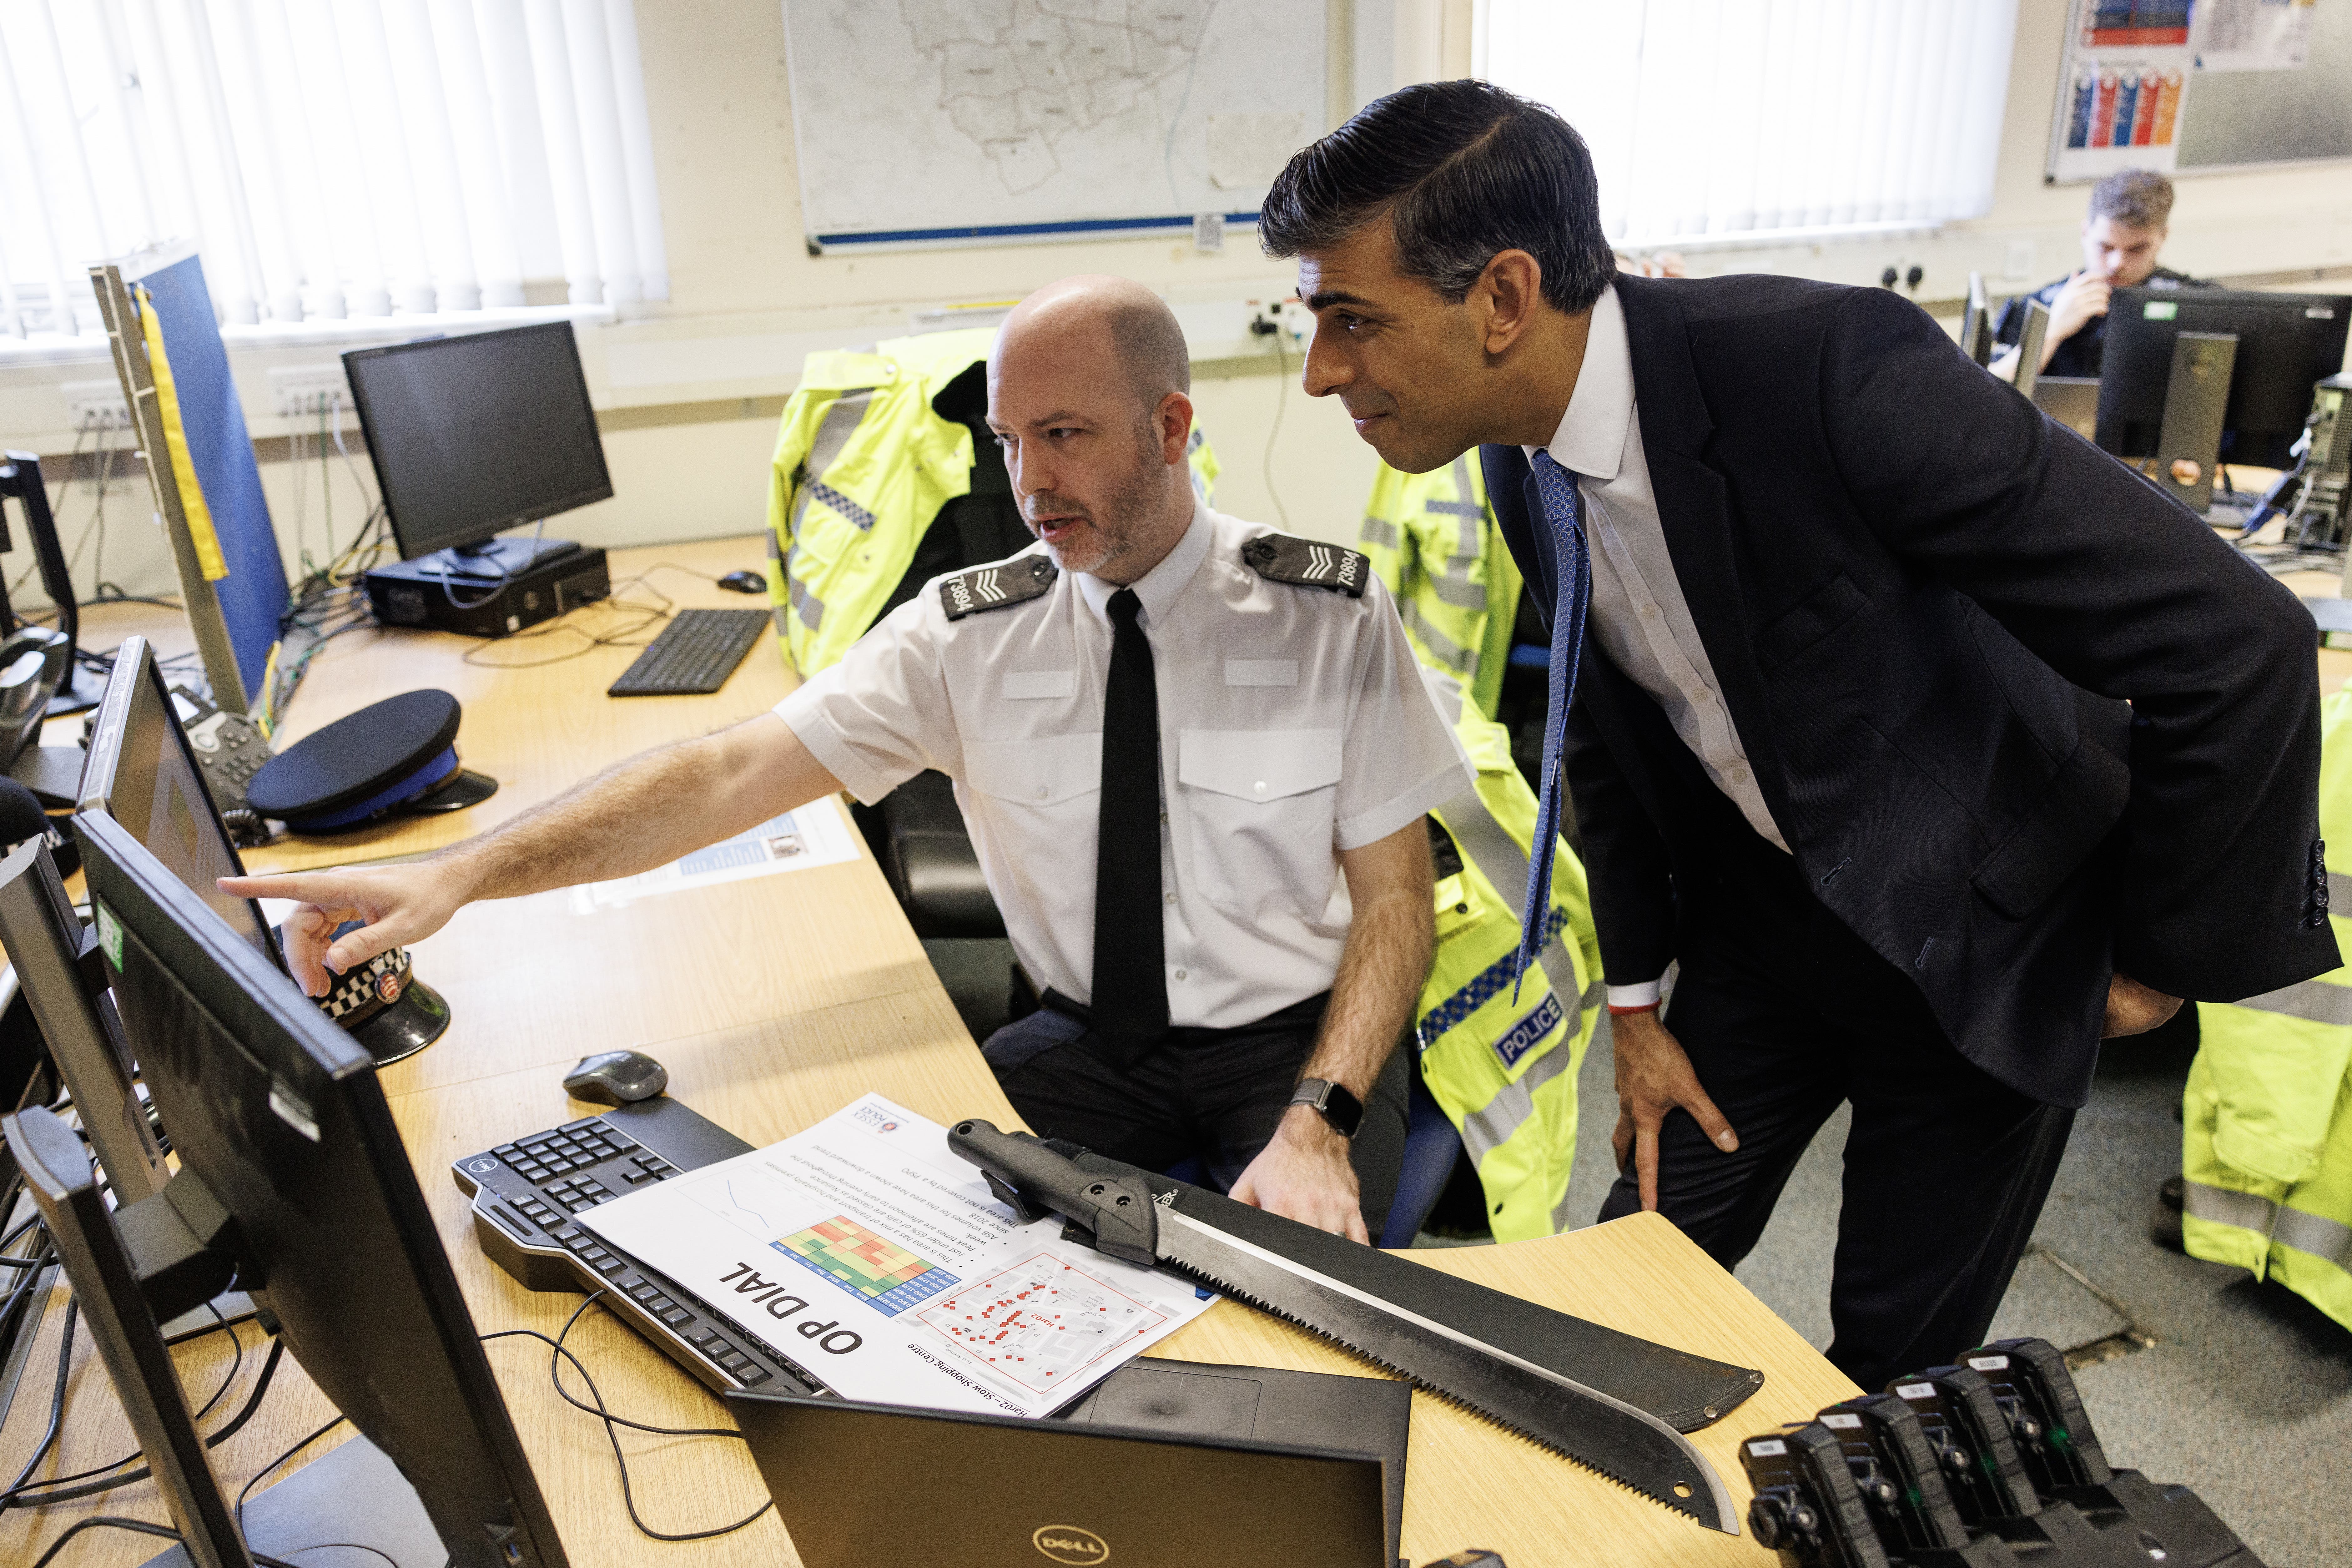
[473, 434]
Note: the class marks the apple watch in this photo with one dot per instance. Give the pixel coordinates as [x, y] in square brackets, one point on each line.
[1334, 1104]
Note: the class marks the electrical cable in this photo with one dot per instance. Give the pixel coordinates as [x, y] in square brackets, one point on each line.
[1281, 402]
[163, 1533]
[255, 1479]
[35, 1497]
[23, 1487]
[56, 1403]
[616, 638]
[558, 1354]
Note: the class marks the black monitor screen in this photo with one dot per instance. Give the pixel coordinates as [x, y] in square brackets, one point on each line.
[2285, 342]
[473, 434]
[141, 771]
[282, 1117]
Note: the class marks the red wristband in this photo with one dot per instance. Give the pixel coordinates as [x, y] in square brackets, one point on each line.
[1617, 1012]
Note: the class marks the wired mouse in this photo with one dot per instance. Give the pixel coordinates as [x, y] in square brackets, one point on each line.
[744, 582]
[617, 1078]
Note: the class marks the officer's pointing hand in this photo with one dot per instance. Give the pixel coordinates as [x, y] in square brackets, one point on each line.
[398, 904]
[1304, 1174]
[1653, 1077]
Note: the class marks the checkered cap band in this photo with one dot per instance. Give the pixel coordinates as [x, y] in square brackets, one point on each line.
[363, 990]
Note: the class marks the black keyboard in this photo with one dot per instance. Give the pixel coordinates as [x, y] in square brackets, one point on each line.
[525, 1194]
[695, 653]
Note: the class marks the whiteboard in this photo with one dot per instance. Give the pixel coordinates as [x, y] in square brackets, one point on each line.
[2268, 116]
[939, 122]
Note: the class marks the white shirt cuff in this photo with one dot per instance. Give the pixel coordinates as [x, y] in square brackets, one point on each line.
[1645, 994]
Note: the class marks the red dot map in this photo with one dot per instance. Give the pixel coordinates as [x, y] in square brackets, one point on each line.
[1040, 1322]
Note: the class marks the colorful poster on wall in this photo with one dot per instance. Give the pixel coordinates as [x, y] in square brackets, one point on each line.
[2125, 87]
[2254, 35]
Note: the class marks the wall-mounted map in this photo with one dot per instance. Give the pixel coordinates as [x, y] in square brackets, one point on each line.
[931, 123]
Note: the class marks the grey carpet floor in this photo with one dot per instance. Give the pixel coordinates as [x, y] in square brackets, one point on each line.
[2246, 1393]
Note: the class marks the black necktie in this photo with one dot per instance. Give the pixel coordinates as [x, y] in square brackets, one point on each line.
[1130, 980]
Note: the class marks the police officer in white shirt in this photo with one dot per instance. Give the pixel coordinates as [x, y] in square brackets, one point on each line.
[1194, 757]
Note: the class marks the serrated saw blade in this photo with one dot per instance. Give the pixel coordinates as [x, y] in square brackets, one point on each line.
[1627, 1445]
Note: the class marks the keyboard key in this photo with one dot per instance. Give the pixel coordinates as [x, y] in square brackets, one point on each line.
[749, 1375]
[611, 1266]
[674, 1316]
[702, 1337]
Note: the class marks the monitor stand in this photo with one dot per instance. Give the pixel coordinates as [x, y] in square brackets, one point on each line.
[351, 1496]
[2189, 443]
[495, 559]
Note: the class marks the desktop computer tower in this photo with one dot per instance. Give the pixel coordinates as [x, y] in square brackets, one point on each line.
[414, 594]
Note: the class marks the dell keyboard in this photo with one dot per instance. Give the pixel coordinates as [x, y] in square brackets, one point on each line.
[694, 654]
[527, 1193]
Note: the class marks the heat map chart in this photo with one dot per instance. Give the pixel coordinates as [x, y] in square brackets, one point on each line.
[1040, 1322]
[870, 1267]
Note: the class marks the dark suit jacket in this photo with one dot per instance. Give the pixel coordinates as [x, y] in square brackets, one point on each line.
[1916, 593]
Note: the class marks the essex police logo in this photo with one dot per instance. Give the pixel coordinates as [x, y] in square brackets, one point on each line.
[1281, 558]
[993, 587]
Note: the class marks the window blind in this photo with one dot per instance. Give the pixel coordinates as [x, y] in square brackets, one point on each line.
[1757, 117]
[331, 158]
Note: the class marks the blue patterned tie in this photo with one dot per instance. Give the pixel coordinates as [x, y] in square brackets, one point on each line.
[1572, 579]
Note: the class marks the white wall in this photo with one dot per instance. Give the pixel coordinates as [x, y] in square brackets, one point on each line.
[688, 390]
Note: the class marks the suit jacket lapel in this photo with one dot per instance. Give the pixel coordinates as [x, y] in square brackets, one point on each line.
[1694, 510]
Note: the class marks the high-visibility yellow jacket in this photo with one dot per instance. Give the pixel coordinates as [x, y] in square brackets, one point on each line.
[1434, 543]
[1503, 1066]
[2266, 1142]
[863, 464]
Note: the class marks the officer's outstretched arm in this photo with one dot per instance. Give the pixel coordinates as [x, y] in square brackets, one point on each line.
[1305, 1174]
[632, 817]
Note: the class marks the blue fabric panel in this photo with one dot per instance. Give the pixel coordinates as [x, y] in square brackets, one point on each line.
[253, 596]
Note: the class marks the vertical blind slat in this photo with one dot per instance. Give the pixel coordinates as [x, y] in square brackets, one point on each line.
[328, 157]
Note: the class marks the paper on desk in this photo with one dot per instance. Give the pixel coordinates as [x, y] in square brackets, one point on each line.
[815, 834]
[866, 1253]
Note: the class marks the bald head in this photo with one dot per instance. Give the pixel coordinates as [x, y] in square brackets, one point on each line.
[1116, 316]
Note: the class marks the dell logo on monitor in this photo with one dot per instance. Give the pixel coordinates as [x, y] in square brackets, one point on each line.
[1068, 1543]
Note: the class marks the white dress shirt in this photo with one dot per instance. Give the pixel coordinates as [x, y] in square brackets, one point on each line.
[1639, 615]
[1293, 725]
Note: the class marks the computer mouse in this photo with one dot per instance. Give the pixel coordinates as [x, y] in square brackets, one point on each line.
[744, 582]
[617, 1078]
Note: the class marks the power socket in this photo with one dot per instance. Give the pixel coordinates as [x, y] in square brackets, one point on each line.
[301, 391]
[97, 403]
[1288, 318]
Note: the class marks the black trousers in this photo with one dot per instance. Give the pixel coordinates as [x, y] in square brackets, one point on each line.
[1786, 1014]
[1214, 1093]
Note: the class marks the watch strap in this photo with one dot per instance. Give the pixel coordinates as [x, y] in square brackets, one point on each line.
[1331, 1102]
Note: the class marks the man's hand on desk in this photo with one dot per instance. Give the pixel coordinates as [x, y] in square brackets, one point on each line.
[2134, 1009]
[400, 904]
[1304, 1174]
[1653, 1077]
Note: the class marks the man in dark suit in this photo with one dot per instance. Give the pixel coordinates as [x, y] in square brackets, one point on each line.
[1850, 631]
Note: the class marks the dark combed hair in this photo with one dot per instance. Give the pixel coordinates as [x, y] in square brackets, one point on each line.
[2137, 198]
[1462, 171]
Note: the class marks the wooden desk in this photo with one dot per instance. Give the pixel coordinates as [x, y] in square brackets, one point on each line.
[774, 1003]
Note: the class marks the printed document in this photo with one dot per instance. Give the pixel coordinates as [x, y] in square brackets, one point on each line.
[866, 1252]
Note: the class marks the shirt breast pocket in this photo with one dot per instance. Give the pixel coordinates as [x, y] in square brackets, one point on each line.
[1044, 797]
[1261, 804]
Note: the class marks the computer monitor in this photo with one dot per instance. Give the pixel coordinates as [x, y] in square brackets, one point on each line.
[1975, 322]
[2285, 344]
[477, 433]
[280, 1121]
[142, 771]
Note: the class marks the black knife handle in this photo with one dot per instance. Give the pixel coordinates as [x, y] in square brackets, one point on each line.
[1117, 1209]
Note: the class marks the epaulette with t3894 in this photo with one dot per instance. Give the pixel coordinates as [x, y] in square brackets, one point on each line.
[993, 587]
[1308, 563]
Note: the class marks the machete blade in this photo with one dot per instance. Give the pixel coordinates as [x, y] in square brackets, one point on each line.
[1628, 1445]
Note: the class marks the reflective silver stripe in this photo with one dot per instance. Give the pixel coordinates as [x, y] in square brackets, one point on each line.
[1457, 588]
[777, 614]
[1380, 531]
[805, 605]
[833, 433]
[2313, 999]
[2339, 893]
[775, 547]
[1443, 646]
[2223, 1205]
[1497, 855]
[2323, 1238]
[1490, 1126]
[1462, 507]
[2328, 1240]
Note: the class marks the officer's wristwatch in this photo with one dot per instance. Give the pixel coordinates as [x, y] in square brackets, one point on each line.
[1342, 1109]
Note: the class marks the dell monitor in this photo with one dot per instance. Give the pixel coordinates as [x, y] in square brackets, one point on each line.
[2285, 342]
[477, 433]
[282, 1128]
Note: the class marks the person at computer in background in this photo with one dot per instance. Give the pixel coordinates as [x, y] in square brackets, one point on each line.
[1285, 737]
[2122, 232]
